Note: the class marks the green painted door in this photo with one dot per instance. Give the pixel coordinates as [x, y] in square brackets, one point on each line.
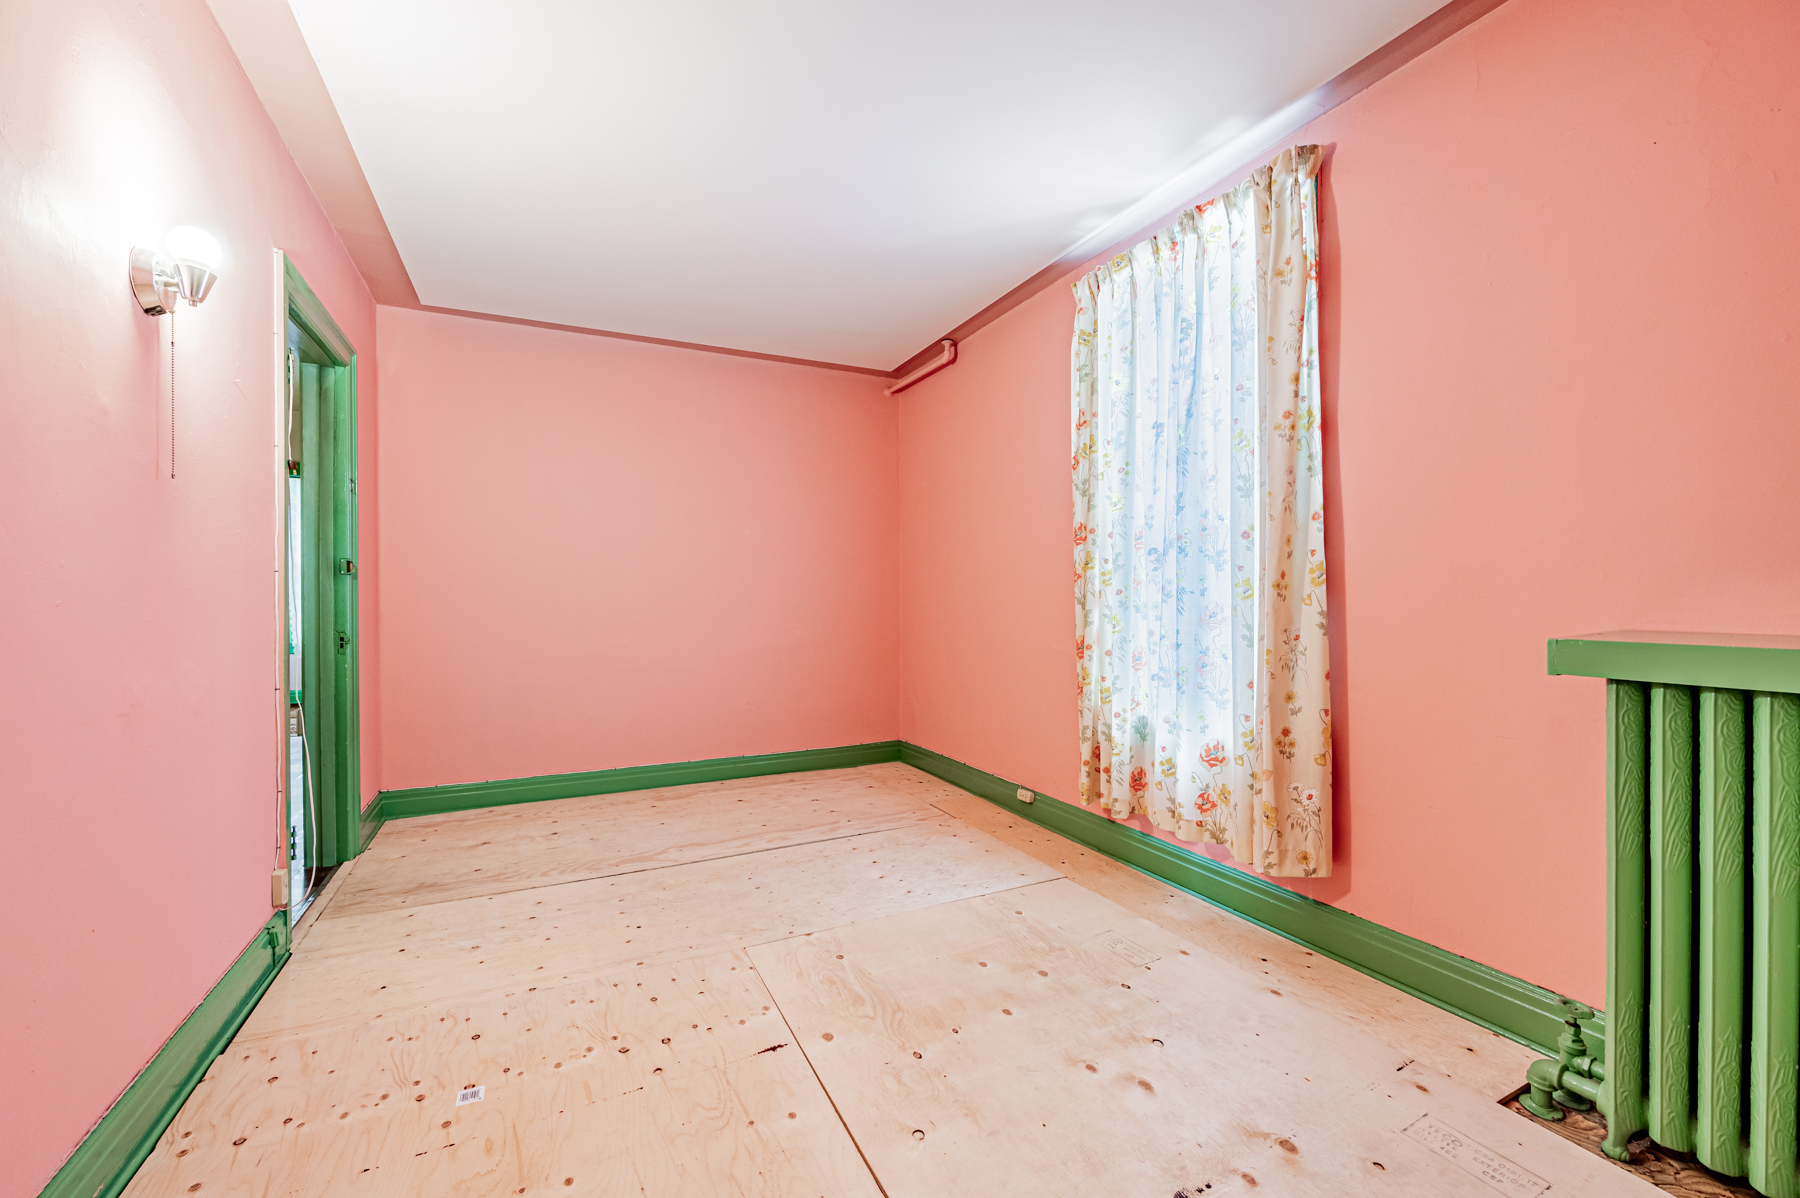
[323, 798]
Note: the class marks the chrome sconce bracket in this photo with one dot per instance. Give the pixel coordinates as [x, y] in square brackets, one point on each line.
[154, 281]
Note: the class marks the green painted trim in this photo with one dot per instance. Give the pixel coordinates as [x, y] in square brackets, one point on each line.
[347, 661]
[105, 1161]
[343, 832]
[1687, 659]
[463, 796]
[1497, 1001]
[310, 312]
[373, 816]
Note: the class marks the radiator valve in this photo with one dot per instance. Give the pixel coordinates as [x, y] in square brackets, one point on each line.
[1571, 1080]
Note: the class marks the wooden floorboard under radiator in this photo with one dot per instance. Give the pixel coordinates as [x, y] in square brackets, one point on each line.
[1674, 1173]
[855, 982]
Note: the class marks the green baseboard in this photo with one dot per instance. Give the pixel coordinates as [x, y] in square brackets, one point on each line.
[373, 816]
[1498, 1001]
[464, 796]
[105, 1161]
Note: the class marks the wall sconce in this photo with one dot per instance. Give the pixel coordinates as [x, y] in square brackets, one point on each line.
[189, 270]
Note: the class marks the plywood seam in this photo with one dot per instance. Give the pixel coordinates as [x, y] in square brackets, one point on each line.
[626, 873]
[750, 952]
[592, 973]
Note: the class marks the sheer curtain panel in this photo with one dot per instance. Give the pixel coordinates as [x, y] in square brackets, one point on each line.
[1205, 701]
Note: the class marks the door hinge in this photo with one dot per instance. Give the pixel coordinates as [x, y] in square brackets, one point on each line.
[293, 845]
[347, 567]
[343, 642]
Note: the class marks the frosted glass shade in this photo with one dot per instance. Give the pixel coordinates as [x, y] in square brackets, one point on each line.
[194, 247]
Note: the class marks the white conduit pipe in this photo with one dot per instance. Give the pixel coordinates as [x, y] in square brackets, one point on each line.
[944, 358]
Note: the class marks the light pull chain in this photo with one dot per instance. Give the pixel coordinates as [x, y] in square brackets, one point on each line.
[171, 390]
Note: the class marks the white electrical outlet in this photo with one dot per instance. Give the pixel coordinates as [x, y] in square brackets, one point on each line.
[1026, 796]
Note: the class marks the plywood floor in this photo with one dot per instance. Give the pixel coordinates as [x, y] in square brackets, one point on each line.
[854, 982]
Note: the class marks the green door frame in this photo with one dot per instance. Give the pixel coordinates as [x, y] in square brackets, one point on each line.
[340, 827]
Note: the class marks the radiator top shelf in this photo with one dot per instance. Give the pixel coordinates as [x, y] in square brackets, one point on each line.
[1720, 659]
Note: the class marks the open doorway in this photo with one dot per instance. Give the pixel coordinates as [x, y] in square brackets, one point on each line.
[321, 787]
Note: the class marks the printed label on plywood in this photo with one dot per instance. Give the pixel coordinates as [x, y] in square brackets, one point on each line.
[1474, 1158]
[1137, 954]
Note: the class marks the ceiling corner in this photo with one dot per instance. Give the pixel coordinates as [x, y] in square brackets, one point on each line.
[268, 43]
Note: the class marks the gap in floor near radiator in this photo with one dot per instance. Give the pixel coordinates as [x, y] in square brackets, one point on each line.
[1677, 1173]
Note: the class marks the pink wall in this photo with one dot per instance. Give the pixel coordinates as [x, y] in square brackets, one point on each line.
[1557, 315]
[136, 719]
[604, 553]
[1557, 319]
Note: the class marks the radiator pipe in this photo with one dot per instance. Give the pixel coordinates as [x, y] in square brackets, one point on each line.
[1570, 1080]
[946, 355]
[1587, 1088]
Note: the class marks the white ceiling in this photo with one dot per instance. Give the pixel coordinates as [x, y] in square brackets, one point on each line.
[821, 179]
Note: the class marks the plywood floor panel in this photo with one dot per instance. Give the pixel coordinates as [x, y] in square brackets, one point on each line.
[992, 1009]
[440, 858]
[382, 964]
[983, 1047]
[1484, 1061]
[671, 1080]
[334, 886]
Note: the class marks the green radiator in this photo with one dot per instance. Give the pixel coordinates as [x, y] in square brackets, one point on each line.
[1703, 903]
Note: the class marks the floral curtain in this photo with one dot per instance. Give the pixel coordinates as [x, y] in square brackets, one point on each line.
[1199, 528]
